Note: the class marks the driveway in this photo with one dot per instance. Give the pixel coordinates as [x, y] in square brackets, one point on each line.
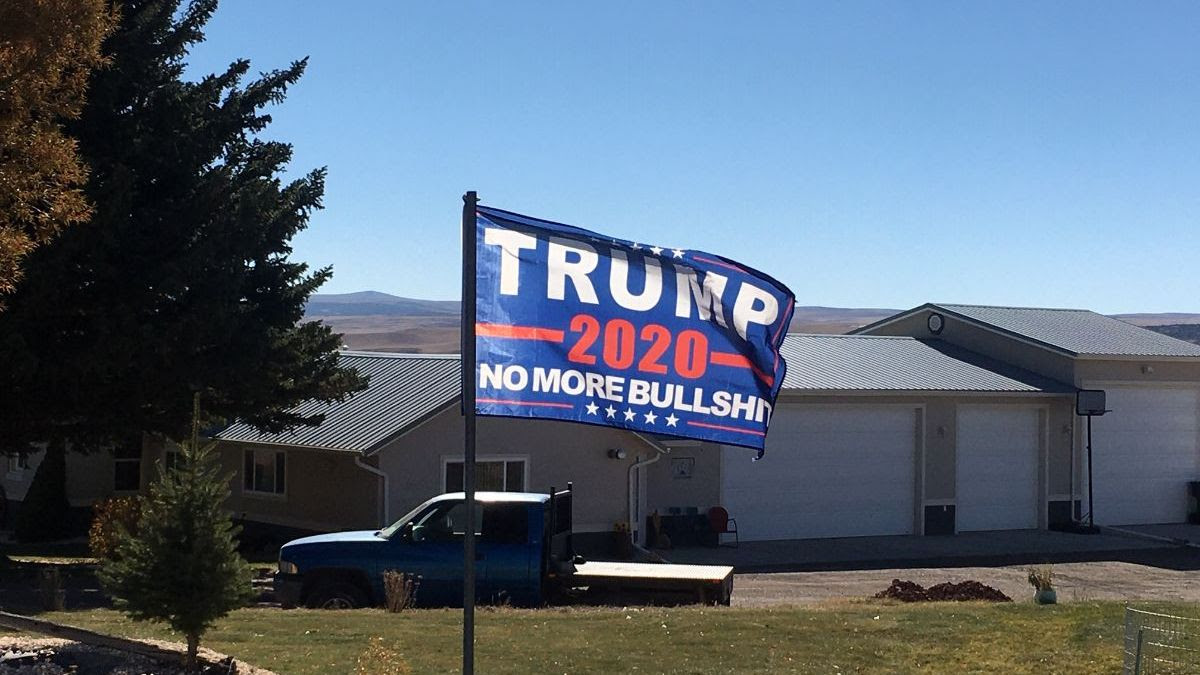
[1153, 545]
[1075, 582]
[1138, 563]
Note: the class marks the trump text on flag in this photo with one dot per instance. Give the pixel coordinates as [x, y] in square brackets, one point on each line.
[573, 325]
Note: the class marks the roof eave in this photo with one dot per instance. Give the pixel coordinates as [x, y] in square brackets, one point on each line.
[1177, 358]
[299, 445]
[924, 392]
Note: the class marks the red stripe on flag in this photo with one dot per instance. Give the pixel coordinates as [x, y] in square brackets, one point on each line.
[536, 404]
[519, 332]
[721, 263]
[730, 359]
[735, 360]
[727, 428]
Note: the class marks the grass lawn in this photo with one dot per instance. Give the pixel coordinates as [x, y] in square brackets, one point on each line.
[845, 637]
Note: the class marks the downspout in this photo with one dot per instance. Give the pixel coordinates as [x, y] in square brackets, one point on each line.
[632, 507]
[358, 461]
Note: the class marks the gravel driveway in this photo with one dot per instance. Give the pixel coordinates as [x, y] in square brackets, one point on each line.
[1075, 582]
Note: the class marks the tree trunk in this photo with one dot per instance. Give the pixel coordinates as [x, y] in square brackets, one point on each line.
[193, 645]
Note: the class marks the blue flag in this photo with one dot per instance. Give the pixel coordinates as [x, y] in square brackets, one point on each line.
[573, 325]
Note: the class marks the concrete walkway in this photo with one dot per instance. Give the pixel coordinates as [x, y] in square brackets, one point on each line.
[972, 549]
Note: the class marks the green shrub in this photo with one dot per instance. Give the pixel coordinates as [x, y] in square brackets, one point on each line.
[110, 516]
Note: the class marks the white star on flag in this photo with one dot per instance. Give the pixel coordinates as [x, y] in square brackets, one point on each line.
[676, 253]
[612, 412]
[656, 250]
[592, 408]
[672, 419]
[650, 417]
[636, 246]
[629, 414]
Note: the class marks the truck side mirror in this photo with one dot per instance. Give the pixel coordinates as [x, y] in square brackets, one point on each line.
[406, 532]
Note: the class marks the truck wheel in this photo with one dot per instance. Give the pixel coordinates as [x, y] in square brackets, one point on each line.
[336, 595]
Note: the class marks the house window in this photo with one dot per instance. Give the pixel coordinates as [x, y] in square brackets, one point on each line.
[498, 475]
[172, 459]
[127, 467]
[264, 472]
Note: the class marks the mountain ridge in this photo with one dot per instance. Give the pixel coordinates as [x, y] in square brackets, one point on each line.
[377, 321]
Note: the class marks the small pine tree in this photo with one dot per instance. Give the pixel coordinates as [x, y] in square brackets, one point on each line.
[182, 566]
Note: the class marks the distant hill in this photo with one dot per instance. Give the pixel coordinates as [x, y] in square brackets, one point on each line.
[834, 320]
[1189, 332]
[1163, 319]
[374, 321]
[374, 303]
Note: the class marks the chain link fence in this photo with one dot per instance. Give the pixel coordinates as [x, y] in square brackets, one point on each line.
[1161, 644]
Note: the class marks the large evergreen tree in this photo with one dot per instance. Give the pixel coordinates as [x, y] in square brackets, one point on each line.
[181, 280]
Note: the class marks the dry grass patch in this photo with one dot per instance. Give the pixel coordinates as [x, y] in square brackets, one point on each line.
[861, 636]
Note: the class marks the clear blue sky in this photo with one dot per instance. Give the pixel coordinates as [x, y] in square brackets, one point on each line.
[866, 154]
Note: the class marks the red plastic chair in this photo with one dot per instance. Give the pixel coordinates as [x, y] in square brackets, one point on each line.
[721, 523]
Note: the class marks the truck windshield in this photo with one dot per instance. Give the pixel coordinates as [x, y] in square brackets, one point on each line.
[500, 523]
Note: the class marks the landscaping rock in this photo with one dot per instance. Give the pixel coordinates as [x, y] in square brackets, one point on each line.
[908, 591]
[50, 656]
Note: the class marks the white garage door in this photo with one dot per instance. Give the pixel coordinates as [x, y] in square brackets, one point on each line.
[828, 472]
[997, 468]
[1146, 450]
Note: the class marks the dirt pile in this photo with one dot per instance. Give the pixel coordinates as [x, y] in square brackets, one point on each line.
[908, 591]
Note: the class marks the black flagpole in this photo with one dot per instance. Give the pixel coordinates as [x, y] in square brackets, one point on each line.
[470, 200]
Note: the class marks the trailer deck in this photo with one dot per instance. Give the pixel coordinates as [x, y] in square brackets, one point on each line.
[708, 584]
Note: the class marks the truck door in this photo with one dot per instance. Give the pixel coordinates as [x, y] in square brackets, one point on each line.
[512, 560]
[434, 551]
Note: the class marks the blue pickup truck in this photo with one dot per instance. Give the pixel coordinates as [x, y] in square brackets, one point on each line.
[524, 556]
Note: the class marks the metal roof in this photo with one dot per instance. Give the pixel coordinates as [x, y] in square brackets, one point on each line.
[407, 389]
[1076, 331]
[883, 363]
[402, 390]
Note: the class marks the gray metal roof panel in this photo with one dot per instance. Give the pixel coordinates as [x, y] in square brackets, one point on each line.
[879, 363]
[405, 389]
[1077, 331]
[402, 389]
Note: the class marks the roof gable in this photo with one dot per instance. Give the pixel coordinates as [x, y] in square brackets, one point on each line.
[1074, 332]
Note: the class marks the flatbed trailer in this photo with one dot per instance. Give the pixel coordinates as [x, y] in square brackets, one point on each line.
[626, 581]
[705, 584]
